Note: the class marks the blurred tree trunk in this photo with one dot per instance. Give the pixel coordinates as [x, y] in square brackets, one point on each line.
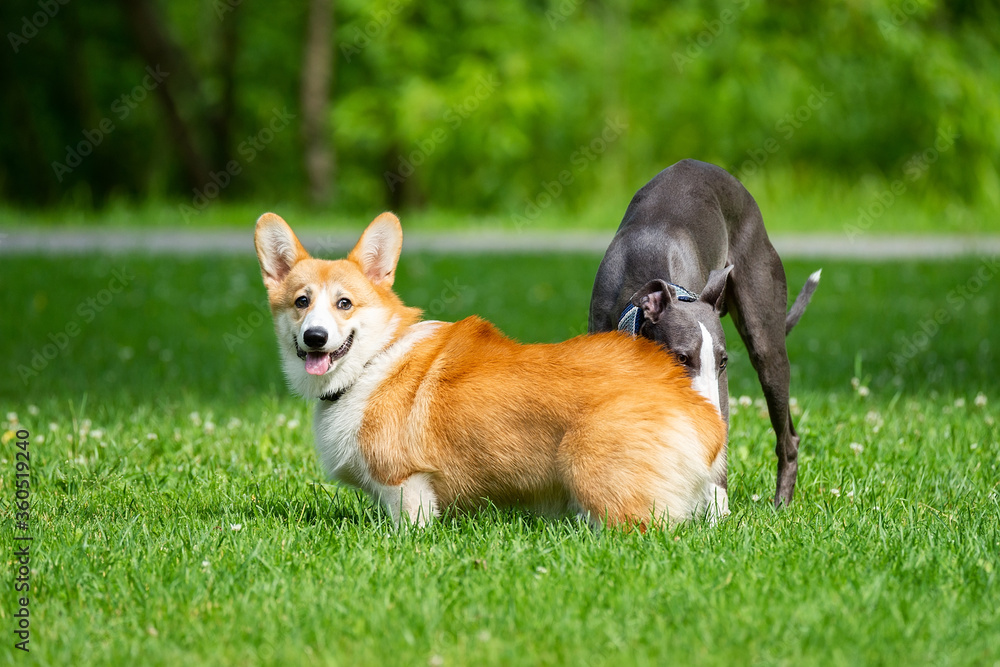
[164, 59]
[24, 170]
[221, 120]
[100, 175]
[317, 74]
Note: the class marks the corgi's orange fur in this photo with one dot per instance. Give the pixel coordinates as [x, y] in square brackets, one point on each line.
[426, 416]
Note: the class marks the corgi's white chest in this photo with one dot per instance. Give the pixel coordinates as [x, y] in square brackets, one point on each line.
[337, 425]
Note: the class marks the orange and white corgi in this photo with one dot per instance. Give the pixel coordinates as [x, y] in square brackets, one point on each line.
[427, 415]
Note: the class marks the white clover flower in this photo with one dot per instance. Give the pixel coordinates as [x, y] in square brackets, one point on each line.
[835, 493]
[980, 400]
[863, 391]
[857, 447]
[745, 401]
[236, 527]
[33, 410]
[755, 497]
[960, 402]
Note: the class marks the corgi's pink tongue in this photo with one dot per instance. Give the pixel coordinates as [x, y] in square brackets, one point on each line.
[317, 363]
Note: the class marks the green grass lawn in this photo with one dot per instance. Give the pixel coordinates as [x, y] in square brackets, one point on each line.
[180, 515]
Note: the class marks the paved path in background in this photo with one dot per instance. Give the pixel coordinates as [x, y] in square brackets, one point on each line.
[188, 242]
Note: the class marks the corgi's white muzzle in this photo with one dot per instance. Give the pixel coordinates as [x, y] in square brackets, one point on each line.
[318, 359]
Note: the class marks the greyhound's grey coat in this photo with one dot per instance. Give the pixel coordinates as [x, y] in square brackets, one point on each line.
[695, 225]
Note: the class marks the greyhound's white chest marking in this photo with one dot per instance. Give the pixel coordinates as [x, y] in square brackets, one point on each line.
[706, 382]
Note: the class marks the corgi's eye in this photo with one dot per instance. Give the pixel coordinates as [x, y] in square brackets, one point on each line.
[683, 358]
[722, 365]
[302, 302]
[344, 304]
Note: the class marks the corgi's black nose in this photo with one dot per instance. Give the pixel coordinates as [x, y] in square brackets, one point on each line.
[315, 337]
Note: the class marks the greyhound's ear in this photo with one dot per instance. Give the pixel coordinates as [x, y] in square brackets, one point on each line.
[714, 293]
[655, 298]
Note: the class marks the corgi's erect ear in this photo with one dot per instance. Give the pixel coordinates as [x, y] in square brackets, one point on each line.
[378, 250]
[278, 249]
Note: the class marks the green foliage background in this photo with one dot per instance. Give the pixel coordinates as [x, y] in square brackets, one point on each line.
[496, 99]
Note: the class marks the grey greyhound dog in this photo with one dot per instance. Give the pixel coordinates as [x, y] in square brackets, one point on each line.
[692, 247]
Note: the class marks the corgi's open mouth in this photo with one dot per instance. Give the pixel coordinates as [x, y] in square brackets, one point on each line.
[318, 363]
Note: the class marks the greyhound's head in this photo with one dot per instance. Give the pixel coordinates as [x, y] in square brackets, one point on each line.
[691, 331]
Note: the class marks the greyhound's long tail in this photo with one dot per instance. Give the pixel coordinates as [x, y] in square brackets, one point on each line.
[801, 301]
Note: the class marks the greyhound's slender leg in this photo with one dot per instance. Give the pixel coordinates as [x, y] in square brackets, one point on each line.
[757, 306]
[723, 479]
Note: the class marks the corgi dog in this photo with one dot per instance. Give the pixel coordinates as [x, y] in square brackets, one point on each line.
[425, 416]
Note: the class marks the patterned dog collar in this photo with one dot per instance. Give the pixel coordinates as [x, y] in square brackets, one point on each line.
[631, 318]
